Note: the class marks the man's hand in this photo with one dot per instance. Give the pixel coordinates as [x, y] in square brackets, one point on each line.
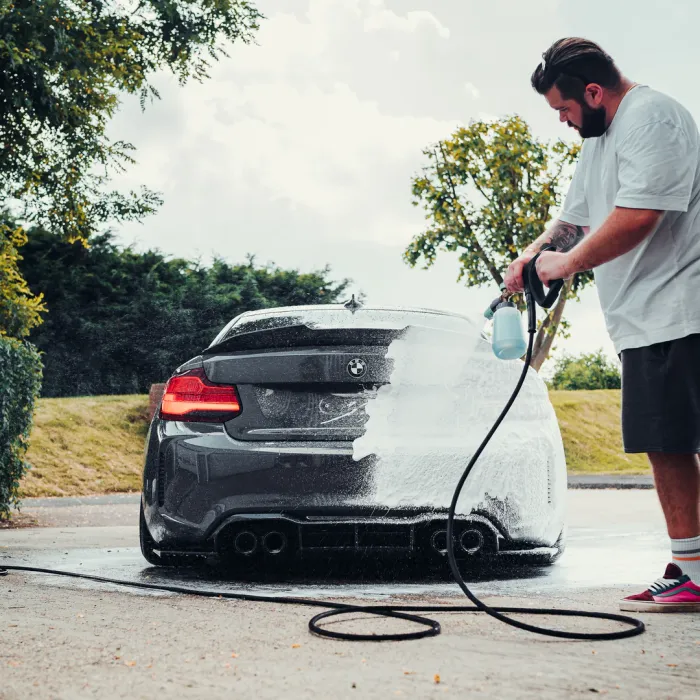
[514, 275]
[554, 266]
[561, 235]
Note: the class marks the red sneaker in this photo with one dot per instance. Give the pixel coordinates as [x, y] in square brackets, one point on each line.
[675, 592]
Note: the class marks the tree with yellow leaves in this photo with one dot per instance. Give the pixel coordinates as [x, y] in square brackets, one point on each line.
[489, 190]
[20, 310]
[20, 366]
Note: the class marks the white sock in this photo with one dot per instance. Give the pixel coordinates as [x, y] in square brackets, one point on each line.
[686, 555]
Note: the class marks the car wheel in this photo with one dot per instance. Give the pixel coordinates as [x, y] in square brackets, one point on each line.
[147, 543]
[547, 559]
[160, 558]
[560, 546]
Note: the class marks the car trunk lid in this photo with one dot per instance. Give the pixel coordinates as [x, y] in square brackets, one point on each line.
[302, 393]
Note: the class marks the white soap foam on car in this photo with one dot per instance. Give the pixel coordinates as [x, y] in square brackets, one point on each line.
[445, 392]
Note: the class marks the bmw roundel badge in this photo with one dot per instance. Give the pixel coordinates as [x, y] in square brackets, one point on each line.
[357, 367]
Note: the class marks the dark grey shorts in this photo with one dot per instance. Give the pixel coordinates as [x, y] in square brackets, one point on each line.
[661, 397]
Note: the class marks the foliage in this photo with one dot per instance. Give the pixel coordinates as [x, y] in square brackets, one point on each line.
[587, 371]
[119, 320]
[488, 191]
[20, 365]
[20, 310]
[63, 66]
[20, 382]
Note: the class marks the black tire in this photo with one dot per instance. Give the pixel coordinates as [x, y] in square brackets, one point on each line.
[560, 546]
[147, 543]
[160, 558]
[546, 559]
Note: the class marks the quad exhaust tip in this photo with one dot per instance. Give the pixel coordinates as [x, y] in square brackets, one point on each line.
[246, 543]
[470, 541]
[274, 542]
[438, 541]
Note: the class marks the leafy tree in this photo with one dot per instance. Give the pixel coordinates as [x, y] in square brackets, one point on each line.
[20, 310]
[20, 365]
[119, 320]
[63, 66]
[587, 371]
[488, 192]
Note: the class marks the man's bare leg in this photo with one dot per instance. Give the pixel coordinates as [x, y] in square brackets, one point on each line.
[677, 479]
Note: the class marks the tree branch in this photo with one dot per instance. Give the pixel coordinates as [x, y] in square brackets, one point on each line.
[481, 192]
[468, 229]
[555, 319]
[541, 334]
[559, 172]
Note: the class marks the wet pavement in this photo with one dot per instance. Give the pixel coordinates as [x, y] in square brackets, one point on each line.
[66, 638]
[615, 538]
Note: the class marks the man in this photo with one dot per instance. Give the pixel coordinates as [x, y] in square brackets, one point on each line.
[632, 215]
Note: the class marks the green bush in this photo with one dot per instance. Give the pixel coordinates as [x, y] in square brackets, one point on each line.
[119, 320]
[20, 383]
[587, 371]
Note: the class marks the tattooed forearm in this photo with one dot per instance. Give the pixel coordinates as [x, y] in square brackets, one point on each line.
[564, 236]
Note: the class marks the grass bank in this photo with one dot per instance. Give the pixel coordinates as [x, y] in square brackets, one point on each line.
[90, 445]
[590, 427]
[86, 445]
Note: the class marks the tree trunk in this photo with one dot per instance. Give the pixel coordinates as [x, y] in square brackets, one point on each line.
[548, 330]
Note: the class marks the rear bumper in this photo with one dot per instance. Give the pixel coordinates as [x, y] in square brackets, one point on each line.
[199, 482]
[269, 538]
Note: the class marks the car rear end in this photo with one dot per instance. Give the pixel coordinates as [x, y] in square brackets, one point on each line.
[251, 455]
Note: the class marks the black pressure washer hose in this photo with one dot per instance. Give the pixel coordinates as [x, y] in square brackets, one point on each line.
[533, 292]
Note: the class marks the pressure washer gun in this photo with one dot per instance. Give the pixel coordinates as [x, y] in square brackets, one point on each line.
[509, 341]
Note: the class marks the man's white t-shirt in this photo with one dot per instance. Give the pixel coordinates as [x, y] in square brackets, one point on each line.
[649, 158]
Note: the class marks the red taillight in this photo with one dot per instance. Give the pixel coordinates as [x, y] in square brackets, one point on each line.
[192, 397]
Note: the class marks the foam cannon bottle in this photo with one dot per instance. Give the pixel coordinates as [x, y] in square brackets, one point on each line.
[508, 335]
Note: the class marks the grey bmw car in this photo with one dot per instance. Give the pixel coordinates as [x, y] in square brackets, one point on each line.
[252, 456]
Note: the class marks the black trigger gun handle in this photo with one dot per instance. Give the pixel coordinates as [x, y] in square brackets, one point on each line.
[534, 289]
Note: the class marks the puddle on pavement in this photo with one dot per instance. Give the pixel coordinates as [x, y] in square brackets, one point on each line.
[594, 558]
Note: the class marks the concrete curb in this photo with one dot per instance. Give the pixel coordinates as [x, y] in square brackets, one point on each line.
[610, 481]
[111, 499]
[575, 481]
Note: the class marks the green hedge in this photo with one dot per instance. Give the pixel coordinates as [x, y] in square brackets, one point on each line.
[20, 384]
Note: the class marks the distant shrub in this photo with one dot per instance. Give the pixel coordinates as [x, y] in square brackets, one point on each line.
[20, 384]
[586, 371]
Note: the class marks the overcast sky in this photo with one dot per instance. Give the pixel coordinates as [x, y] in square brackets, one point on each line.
[301, 149]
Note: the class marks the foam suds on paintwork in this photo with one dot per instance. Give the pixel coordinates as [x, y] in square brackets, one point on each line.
[445, 392]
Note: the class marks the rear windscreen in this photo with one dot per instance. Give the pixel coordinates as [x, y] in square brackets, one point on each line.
[329, 318]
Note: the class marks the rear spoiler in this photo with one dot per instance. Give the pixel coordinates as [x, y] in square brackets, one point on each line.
[304, 336]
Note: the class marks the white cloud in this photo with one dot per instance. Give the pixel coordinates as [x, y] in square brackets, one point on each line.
[312, 146]
[411, 22]
[276, 128]
[285, 44]
[322, 149]
[320, 118]
[472, 90]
